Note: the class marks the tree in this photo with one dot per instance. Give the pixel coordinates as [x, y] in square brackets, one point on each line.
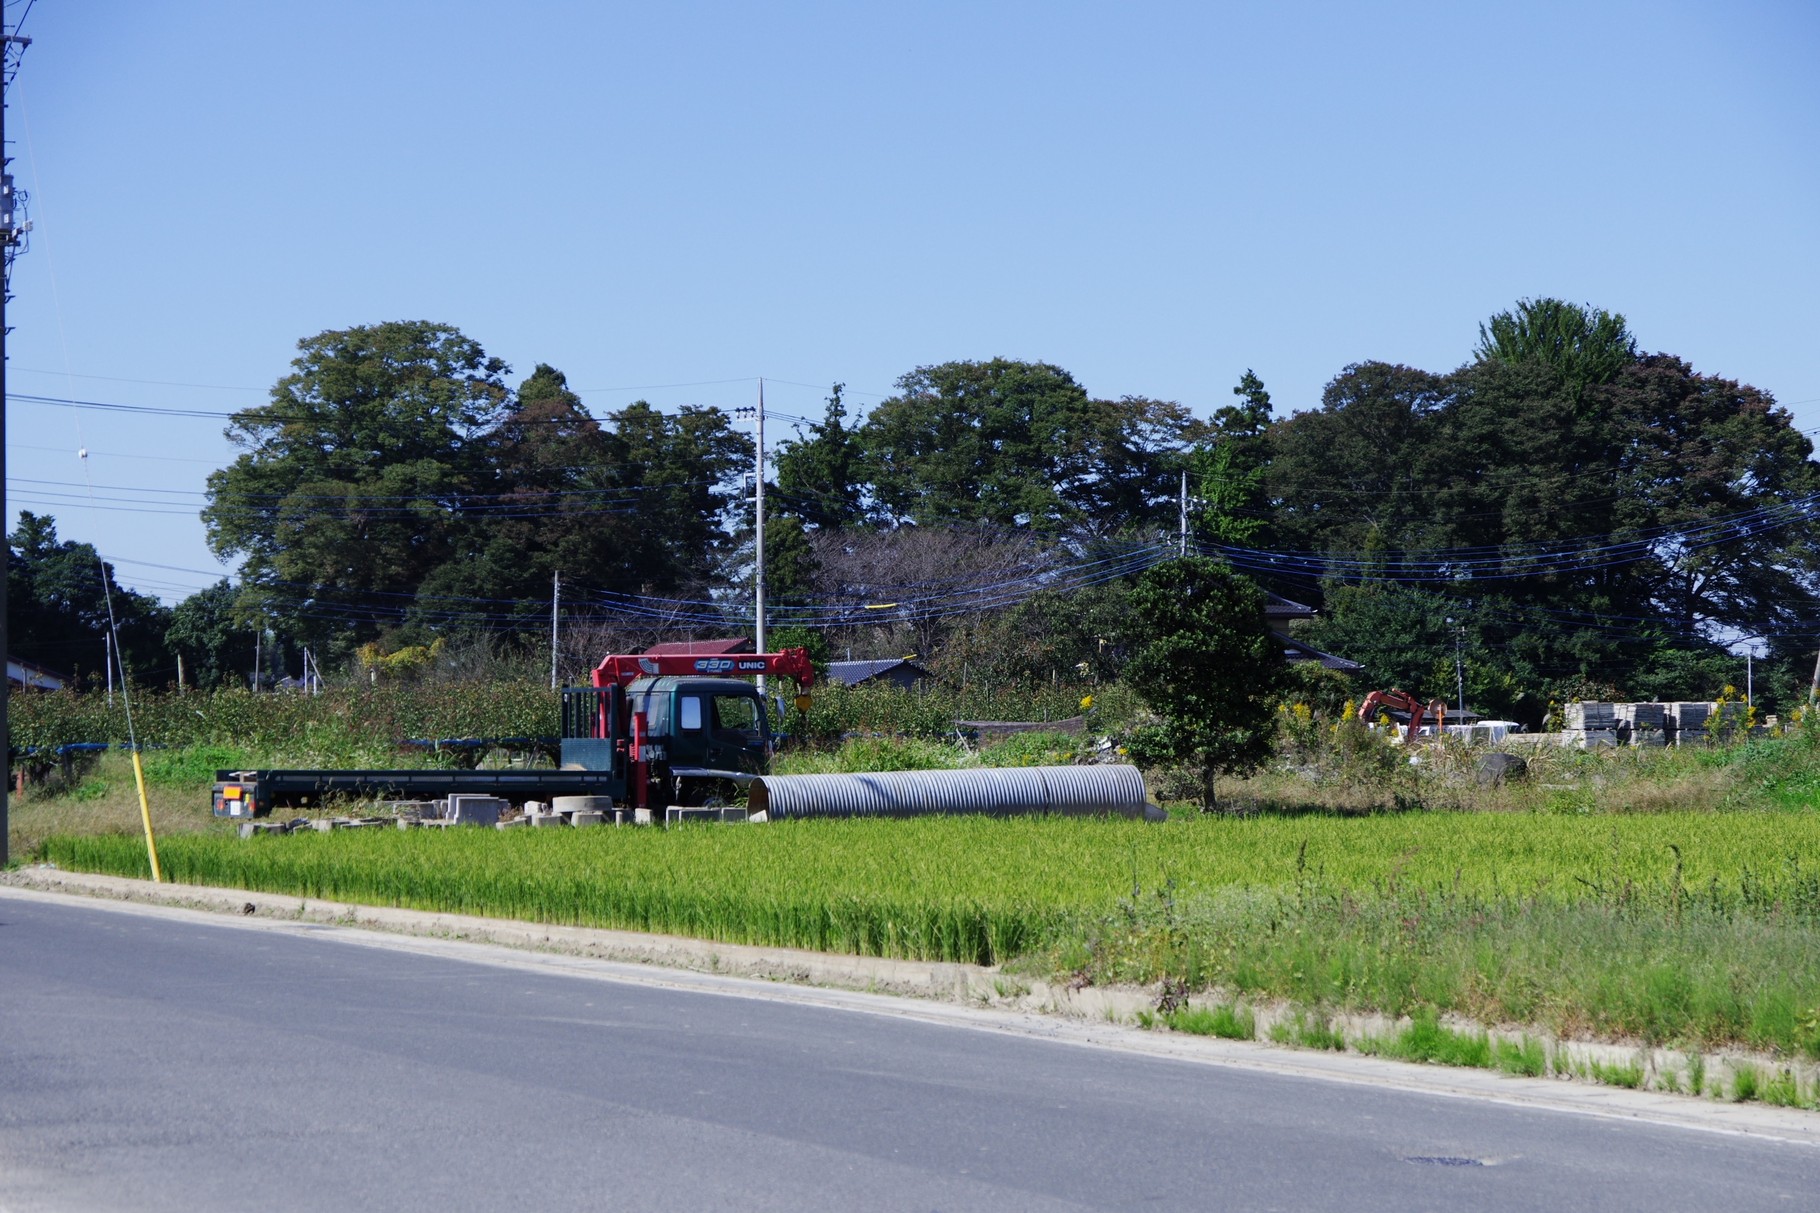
[1585, 345]
[1208, 666]
[1612, 514]
[550, 500]
[680, 479]
[1020, 444]
[1228, 469]
[355, 479]
[208, 633]
[58, 608]
[1355, 466]
[819, 478]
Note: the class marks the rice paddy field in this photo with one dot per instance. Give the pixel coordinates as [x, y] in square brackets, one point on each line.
[1676, 927]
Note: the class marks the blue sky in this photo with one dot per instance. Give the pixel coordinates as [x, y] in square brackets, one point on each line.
[668, 201]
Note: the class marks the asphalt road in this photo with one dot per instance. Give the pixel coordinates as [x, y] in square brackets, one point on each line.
[152, 1063]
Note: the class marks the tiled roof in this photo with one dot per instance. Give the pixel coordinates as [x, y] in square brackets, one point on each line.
[851, 673]
[700, 648]
[1295, 650]
[1278, 607]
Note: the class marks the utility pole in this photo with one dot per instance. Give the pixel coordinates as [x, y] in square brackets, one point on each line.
[13, 228]
[1749, 655]
[555, 604]
[1182, 519]
[1459, 665]
[758, 525]
[758, 529]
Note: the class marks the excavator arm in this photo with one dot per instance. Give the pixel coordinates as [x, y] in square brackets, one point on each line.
[1403, 701]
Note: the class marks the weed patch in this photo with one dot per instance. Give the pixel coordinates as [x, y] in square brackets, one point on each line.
[1427, 1039]
[1225, 1022]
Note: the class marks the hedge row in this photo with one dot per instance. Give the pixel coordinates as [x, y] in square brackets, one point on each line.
[284, 720]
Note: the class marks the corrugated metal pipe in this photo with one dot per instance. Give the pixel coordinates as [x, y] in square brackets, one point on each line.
[998, 791]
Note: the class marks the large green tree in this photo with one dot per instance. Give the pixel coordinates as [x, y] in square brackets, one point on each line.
[1598, 515]
[396, 488]
[355, 481]
[1207, 665]
[1020, 444]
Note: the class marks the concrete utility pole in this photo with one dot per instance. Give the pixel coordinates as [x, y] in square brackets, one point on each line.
[1182, 519]
[758, 528]
[555, 604]
[13, 227]
[758, 525]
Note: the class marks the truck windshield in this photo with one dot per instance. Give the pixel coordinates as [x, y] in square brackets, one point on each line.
[736, 714]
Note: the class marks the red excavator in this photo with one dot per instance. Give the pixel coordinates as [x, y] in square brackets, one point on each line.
[1402, 701]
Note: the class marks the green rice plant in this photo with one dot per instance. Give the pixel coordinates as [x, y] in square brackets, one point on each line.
[1514, 918]
[1745, 1082]
[1225, 1022]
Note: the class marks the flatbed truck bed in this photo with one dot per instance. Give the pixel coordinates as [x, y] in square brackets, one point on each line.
[257, 793]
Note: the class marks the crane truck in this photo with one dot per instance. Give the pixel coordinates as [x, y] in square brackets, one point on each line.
[651, 732]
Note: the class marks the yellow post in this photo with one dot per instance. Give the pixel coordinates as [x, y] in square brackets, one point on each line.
[145, 815]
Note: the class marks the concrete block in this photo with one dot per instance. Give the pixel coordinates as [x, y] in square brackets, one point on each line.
[513, 824]
[1589, 714]
[473, 810]
[586, 818]
[582, 804]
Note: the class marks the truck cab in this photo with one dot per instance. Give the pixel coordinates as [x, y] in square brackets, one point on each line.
[703, 738]
[711, 724]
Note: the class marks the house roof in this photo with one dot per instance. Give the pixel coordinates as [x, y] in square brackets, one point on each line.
[1294, 650]
[852, 673]
[701, 648]
[1278, 607]
[31, 675]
